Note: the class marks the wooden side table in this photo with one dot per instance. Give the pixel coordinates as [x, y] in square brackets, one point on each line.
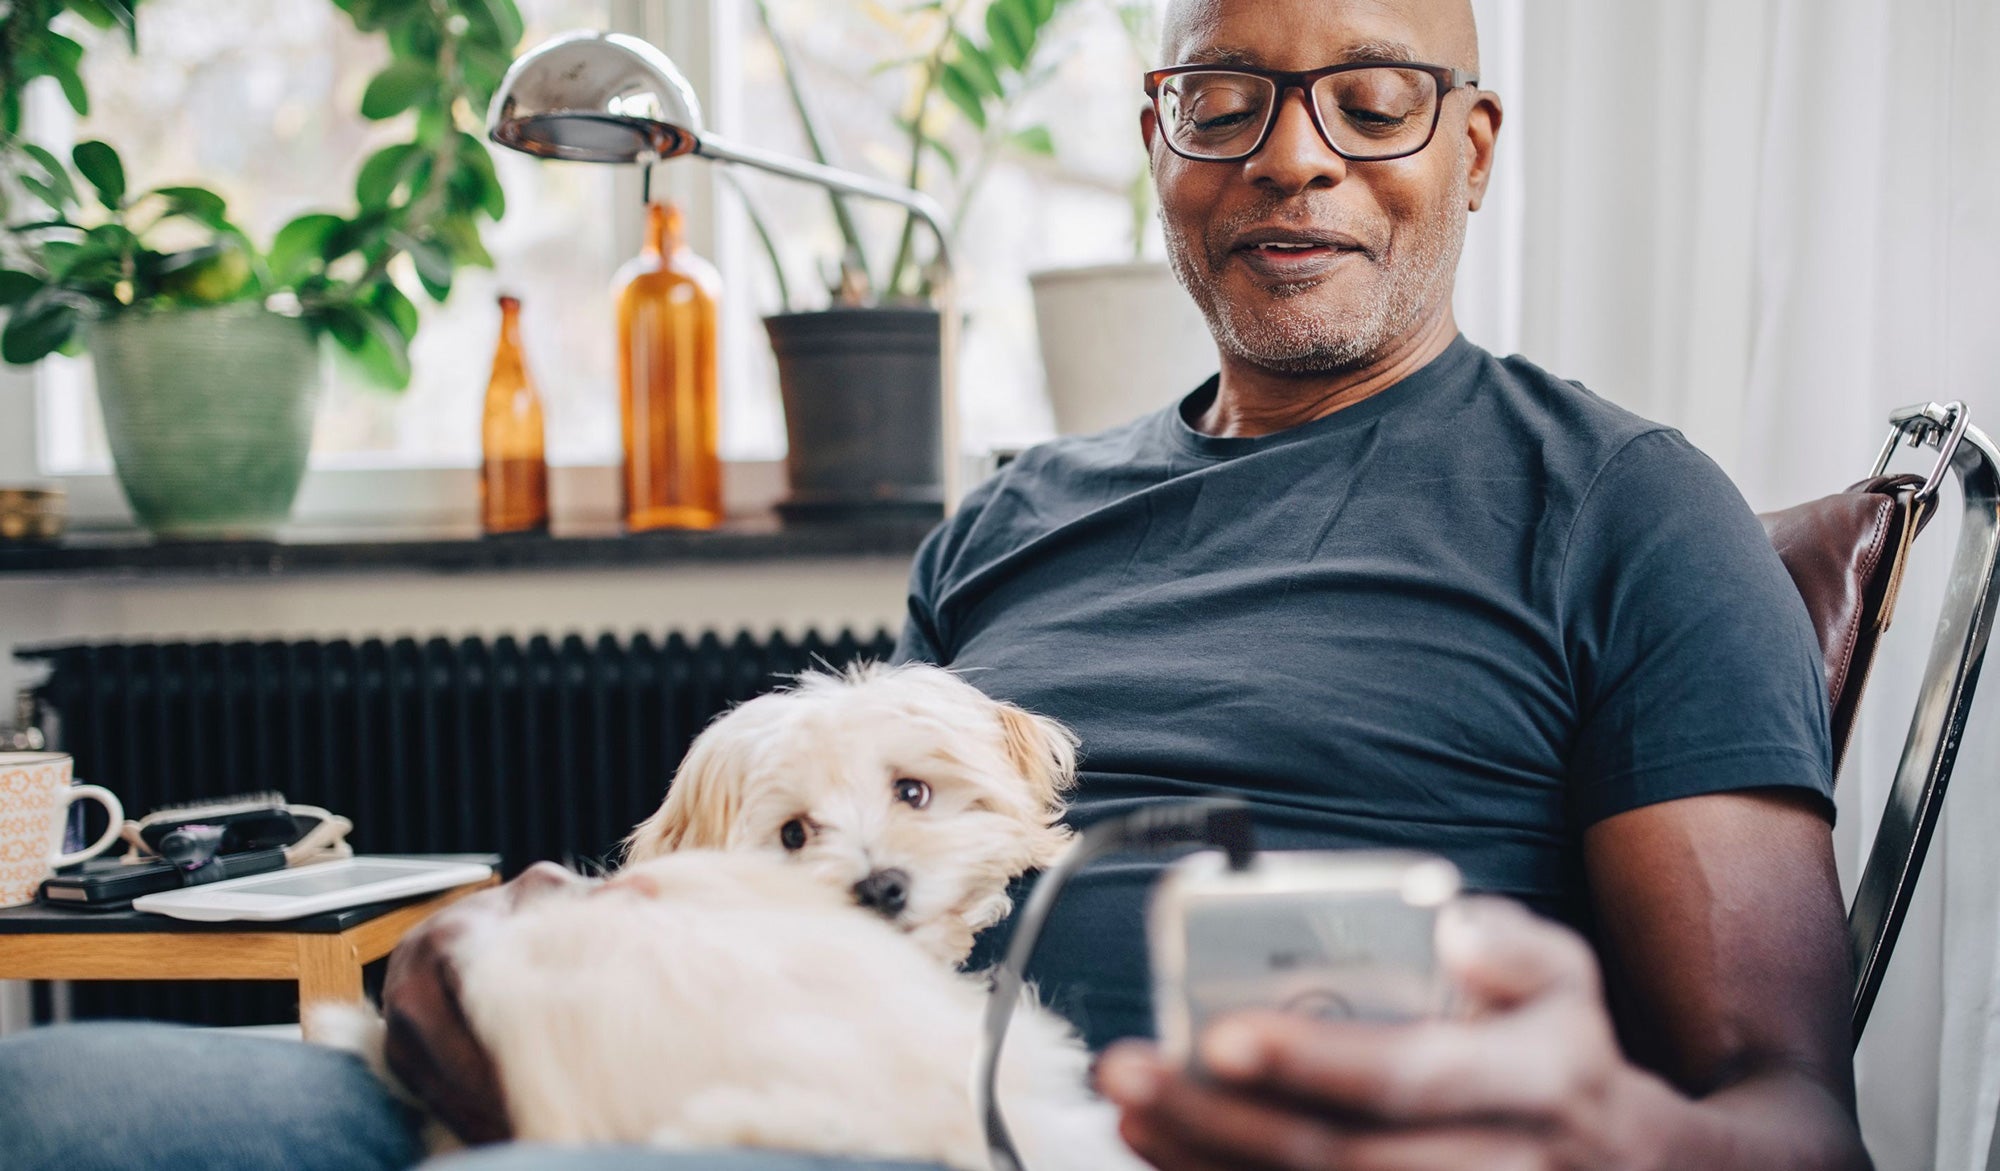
[324, 953]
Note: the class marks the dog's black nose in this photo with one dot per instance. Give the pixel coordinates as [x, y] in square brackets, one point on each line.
[885, 890]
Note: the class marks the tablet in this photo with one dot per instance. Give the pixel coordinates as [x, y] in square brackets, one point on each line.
[312, 890]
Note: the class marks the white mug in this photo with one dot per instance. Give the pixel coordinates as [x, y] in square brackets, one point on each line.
[35, 794]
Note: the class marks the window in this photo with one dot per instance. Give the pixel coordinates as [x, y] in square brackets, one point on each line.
[259, 99]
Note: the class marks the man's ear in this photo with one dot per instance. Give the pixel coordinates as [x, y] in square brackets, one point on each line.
[1149, 126]
[700, 808]
[1043, 751]
[1482, 128]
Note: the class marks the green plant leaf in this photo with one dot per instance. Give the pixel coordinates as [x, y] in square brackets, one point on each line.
[299, 246]
[38, 328]
[99, 164]
[460, 234]
[1010, 32]
[55, 176]
[109, 14]
[398, 309]
[342, 322]
[498, 20]
[114, 237]
[374, 341]
[384, 354]
[432, 261]
[483, 67]
[46, 194]
[384, 171]
[57, 256]
[977, 68]
[62, 57]
[402, 85]
[478, 161]
[198, 204]
[961, 93]
[1034, 140]
[16, 287]
[374, 15]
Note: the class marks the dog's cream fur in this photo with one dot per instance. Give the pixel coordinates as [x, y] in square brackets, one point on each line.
[723, 990]
[731, 999]
[830, 751]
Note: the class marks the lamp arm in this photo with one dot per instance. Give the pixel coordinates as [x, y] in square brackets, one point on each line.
[847, 182]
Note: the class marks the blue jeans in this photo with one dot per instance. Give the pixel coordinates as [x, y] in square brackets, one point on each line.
[113, 1097]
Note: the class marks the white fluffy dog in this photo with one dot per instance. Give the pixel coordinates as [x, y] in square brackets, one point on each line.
[776, 964]
[731, 999]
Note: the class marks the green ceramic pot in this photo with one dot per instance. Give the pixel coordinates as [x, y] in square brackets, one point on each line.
[210, 416]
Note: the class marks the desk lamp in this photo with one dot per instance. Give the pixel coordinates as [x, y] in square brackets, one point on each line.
[611, 98]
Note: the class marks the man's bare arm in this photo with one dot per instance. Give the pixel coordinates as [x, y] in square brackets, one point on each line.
[1725, 946]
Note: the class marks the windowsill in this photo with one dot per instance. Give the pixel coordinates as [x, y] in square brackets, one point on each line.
[130, 553]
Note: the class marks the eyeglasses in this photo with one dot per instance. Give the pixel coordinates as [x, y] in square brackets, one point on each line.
[1366, 112]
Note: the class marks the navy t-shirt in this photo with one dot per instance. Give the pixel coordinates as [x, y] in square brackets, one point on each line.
[1472, 614]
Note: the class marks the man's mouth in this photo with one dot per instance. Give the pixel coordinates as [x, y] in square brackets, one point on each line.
[1292, 255]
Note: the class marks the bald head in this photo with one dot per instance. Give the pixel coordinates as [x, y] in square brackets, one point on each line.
[1444, 30]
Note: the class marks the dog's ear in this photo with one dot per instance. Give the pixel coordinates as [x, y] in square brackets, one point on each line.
[701, 805]
[1043, 750]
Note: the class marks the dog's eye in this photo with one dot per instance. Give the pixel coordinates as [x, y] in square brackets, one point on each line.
[913, 793]
[792, 835]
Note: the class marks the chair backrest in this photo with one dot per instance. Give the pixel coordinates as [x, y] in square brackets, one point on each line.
[1846, 554]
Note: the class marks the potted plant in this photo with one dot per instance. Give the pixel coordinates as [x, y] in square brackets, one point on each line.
[860, 378]
[206, 345]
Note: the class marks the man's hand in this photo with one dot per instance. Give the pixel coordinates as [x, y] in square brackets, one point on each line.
[1529, 1075]
[430, 1046]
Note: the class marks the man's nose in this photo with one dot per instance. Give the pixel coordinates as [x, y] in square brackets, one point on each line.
[1295, 157]
[885, 891]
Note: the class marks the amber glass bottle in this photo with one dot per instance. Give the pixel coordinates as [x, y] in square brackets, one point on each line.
[667, 309]
[514, 476]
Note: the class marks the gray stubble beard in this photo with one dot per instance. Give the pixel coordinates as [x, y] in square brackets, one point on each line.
[1328, 340]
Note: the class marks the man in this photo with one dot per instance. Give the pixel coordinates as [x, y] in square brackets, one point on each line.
[1391, 591]
[1399, 593]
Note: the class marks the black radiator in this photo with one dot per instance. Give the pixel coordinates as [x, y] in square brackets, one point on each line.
[533, 749]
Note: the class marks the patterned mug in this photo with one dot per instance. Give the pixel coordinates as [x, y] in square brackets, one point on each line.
[34, 806]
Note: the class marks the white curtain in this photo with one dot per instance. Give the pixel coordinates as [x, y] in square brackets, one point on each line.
[1768, 222]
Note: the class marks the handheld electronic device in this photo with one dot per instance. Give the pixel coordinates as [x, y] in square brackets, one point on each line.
[313, 890]
[1331, 934]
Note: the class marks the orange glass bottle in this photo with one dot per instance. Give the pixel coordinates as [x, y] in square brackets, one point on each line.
[514, 474]
[667, 314]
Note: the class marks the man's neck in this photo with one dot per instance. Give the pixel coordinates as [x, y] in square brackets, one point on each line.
[1252, 401]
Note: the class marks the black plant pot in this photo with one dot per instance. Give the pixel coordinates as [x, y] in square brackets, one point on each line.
[861, 412]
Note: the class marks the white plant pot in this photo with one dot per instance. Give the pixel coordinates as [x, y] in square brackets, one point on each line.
[1118, 341]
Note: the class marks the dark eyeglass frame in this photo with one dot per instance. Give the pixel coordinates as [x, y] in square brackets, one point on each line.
[1446, 78]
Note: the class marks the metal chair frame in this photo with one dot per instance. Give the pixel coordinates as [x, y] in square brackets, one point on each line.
[1937, 727]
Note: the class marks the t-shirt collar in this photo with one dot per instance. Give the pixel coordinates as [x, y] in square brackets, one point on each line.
[1441, 371]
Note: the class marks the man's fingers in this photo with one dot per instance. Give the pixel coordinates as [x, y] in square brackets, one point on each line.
[1179, 1123]
[1445, 1150]
[1525, 1066]
[1499, 955]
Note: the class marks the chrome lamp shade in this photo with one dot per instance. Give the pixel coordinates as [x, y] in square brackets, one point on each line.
[596, 98]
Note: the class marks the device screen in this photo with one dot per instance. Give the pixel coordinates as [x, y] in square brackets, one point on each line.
[306, 883]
